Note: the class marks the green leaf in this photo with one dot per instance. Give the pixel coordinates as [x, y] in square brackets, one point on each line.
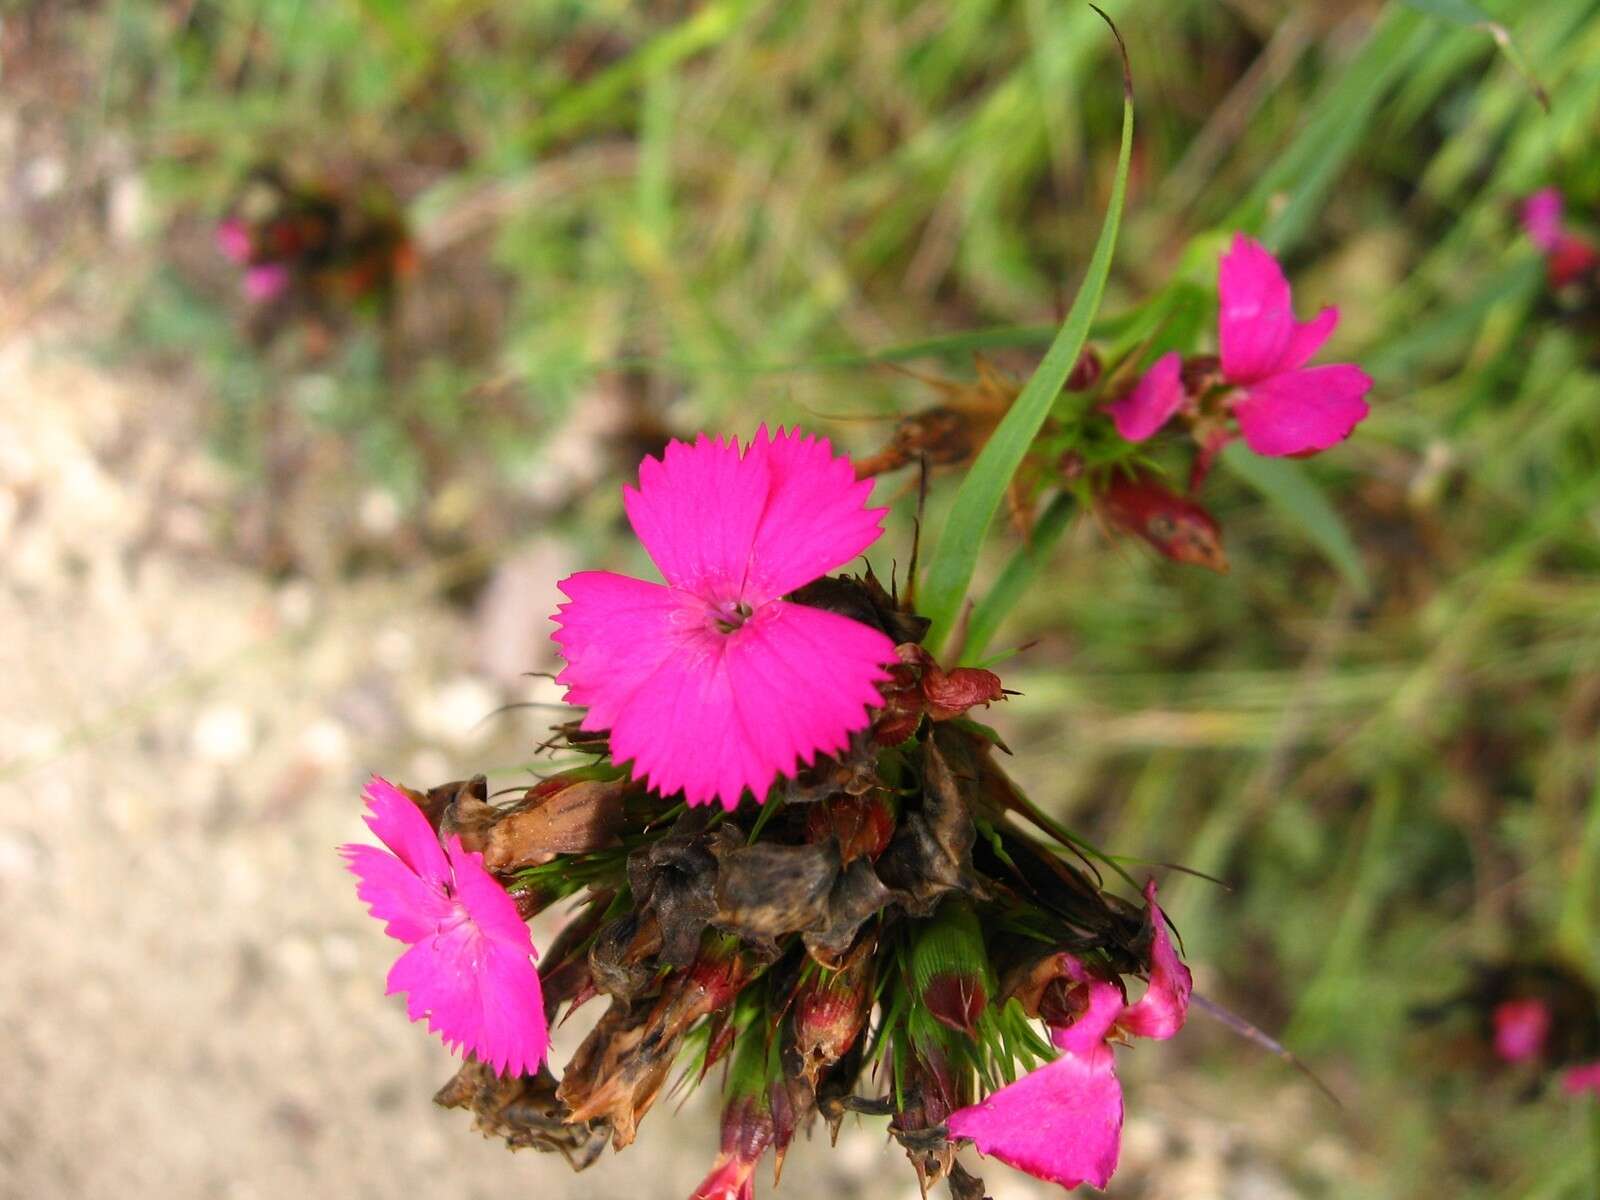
[1464, 12]
[1286, 487]
[955, 559]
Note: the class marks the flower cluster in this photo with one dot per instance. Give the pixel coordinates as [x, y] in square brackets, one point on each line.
[793, 851]
[1259, 386]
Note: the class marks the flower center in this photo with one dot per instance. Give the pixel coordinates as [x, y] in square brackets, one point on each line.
[730, 615]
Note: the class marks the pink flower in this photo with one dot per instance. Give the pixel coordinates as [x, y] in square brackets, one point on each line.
[469, 970]
[1541, 218]
[1063, 1121]
[233, 240]
[1568, 257]
[711, 683]
[1520, 1029]
[1155, 398]
[265, 282]
[1282, 406]
[1581, 1079]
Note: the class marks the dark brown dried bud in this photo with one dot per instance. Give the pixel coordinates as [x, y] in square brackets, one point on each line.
[618, 1070]
[523, 1110]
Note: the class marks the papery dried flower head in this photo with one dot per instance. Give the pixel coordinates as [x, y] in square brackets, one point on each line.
[469, 971]
[712, 684]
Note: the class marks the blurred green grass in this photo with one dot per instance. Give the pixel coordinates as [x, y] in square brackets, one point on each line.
[736, 208]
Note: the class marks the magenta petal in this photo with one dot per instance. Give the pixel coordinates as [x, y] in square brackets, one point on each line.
[1583, 1078]
[1062, 1122]
[815, 518]
[1541, 218]
[478, 995]
[1255, 321]
[1158, 394]
[726, 713]
[615, 632]
[410, 908]
[753, 525]
[1520, 1029]
[400, 825]
[1307, 338]
[1095, 1022]
[1303, 411]
[1161, 1011]
[696, 510]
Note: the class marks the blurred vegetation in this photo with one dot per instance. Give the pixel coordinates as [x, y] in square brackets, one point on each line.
[705, 215]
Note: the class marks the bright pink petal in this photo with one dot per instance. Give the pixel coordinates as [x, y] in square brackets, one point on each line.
[1582, 1078]
[1520, 1029]
[1161, 1011]
[1307, 338]
[477, 994]
[728, 712]
[696, 510]
[265, 282]
[1094, 1023]
[400, 825]
[1062, 1122]
[1158, 394]
[615, 632]
[1256, 320]
[1303, 411]
[487, 903]
[410, 907]
[815, 517]
[750, 526]
[1541, 218]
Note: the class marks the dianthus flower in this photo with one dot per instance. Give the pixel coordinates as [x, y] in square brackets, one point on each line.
[470, 969]
[1281, 406]
[1568, 257]
[1520, 1029]
[1063, 1121]
[712, 683]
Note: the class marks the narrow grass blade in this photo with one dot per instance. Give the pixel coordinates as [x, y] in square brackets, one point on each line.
[1285, 486]
[1464, 12]
[955, 559]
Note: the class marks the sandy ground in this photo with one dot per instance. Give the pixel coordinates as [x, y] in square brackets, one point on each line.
[191, 1003]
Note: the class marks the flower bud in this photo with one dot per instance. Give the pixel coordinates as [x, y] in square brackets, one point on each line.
[830, 1010]
[862, 824]
[950, 970]
[1176, 527]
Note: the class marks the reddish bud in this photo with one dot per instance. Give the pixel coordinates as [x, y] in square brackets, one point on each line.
[830, 1010]
[956, 1001]
[1086, 371]
[1569, 261]
[1176, 527]
[863, 824]
[920, 686]
[747, 1131]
